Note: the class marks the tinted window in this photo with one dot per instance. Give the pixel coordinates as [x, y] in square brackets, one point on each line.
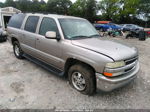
[48, 24]
[31, 24]
[16, 20]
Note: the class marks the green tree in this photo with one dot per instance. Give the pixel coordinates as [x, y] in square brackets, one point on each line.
[128, 11]
[121, 11]
[144, 10]
[91, 10]
[58, 6]
[35, 7]
[1, 5]
[109, 9]
[84, 8]
[24, 5]
[10, 3]
[78, 8]
[31, 6]
[43, 6]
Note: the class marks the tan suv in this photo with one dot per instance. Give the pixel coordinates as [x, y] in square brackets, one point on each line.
[71, 47]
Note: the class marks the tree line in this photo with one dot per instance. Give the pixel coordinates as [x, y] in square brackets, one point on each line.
[118, 11]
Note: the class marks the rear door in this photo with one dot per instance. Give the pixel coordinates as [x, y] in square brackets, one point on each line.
[29, 35]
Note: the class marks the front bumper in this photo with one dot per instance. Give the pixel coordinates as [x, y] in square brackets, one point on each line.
[108, 84]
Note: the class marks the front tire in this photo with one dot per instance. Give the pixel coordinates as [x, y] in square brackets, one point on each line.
[17, 50]
[82, 78]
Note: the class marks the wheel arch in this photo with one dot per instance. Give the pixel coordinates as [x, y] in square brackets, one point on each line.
[13, 39]
[72, 61]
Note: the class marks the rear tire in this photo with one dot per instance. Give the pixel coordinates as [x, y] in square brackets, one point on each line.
[17, 50]
[82, 78]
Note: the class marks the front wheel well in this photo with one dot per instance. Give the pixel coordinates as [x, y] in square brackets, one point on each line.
[71, 61]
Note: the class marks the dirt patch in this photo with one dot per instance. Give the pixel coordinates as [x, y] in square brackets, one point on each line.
[18, 87]
[24, 85]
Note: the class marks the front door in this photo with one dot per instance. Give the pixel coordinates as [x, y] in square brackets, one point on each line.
[49, 50]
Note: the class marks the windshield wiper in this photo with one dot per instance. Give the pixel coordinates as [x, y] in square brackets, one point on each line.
[83, 36]
[79, 37]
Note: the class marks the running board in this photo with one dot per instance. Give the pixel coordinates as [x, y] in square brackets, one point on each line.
[44, 65]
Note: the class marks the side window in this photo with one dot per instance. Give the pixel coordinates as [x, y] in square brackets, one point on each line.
[31, 23]
[16, 20]
[48, 24]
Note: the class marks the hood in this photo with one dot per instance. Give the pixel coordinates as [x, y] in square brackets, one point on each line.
[117, 51]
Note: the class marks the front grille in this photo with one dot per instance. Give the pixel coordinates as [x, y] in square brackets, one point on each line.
[128, 69]
[129, 61]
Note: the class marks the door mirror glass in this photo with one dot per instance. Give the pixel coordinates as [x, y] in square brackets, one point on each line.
[50, 35]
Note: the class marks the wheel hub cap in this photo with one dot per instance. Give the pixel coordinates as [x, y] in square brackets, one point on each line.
[78, 81]
[17, 51]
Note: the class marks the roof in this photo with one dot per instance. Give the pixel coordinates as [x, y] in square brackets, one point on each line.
[53, 15]
[10, 10]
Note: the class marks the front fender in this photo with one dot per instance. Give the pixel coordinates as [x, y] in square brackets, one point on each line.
[83, 59]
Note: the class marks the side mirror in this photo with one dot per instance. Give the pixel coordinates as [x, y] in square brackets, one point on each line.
[50, 35]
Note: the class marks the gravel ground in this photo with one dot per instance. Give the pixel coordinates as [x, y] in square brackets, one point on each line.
[26, 85]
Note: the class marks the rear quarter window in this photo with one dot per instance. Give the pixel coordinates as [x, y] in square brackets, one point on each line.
[31, 24]
[16, 20]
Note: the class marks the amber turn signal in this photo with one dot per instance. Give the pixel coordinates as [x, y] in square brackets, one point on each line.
[108, 74]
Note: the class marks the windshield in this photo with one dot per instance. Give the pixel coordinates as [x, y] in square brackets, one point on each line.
[78, 28]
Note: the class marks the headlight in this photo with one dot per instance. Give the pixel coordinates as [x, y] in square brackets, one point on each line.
[115, 64]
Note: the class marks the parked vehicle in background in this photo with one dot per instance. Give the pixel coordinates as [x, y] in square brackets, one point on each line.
[70, 46]
[103, 22]
[147, 33]
[105, 27]
[132, 27]
[133, 30]
[141, 35]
